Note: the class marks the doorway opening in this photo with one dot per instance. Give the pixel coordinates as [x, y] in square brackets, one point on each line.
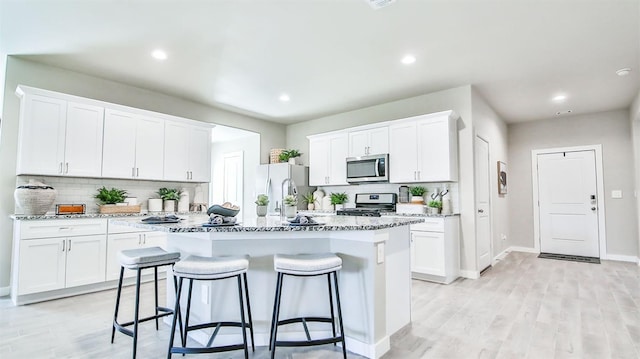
[483, 205]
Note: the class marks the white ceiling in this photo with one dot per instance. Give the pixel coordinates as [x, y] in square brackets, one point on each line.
[332, 56]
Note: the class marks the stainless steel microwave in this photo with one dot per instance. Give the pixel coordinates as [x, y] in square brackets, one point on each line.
[374, 168]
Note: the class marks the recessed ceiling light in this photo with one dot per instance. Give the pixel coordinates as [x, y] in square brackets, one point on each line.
[284, 97]
[408, 59]
[559, 98]
[159, 54]
[623, 72]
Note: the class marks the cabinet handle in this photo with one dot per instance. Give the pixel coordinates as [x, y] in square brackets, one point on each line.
[418, 174]
[137, 172]
[144, 239]
[60, 170]
[69, 246]
[139, 239]
[191, 175]
[133, 171]
[64, 245]
[66, 168]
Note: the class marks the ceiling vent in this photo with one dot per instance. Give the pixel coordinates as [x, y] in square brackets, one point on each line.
[379, 4]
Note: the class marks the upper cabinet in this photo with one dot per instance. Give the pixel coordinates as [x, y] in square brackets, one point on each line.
[133, 146]
[424, 149]
[187, 152]
[369, 142]
[64, 135]
[59, 137]
[327, 159]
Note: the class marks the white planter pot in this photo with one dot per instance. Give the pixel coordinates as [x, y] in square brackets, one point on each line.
[290, 211]
[311, 206]
[433, 210]
[261, 211]
[169, 205]
[155, 205]
[339, 206]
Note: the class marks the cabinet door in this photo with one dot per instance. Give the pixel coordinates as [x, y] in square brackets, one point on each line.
[199, 154]
[115, 244]
[83, 141]
[149, 156]
[154, 239]
[358, 143]
[318, 161]
[433, 149]
[428, 255]
[42, 265]
[403, 154]
[378, 141]
[119, 145]
[42, 133]
[86, 260]
[338, 148]
[176, 151]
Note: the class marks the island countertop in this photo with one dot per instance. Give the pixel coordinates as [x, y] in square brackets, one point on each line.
[194, 223]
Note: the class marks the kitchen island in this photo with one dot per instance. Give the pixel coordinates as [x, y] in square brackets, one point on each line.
[375, 280]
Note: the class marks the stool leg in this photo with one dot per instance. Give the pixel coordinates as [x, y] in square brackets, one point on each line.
[276, 315]
[175, 318]
[136, 314]
[344, 346]
[244, 323]
[155, 280]
[273, 314]
[246, 291]
[333, 319]
[175, 286]
[186, 319]
[115, 315]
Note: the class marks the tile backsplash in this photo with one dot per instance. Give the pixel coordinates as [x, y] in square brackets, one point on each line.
[83, 190]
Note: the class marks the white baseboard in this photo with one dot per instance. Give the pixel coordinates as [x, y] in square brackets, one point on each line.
[470, 274]
[523, 249]
[621, 258]
[4, 291]
[502, 255]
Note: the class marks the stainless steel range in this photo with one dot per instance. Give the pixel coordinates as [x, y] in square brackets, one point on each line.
[371, 205]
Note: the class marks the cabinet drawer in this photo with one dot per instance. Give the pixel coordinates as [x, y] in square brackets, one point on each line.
[62, 228]
[430, 224]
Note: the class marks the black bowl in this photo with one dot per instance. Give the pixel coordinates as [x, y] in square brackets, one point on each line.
[223, 211]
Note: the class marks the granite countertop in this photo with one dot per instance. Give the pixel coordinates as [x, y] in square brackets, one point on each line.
[193, 223]
[31, 217]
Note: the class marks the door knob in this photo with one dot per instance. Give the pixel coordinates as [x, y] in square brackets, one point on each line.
[481, 211]
[593, 208]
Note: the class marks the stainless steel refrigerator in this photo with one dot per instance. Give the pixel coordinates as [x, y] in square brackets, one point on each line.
[270, 179]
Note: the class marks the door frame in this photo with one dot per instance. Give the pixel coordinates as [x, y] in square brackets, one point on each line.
[475, 208]
[602, 236]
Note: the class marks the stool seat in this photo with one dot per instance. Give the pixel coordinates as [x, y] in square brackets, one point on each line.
[146, 257]
[307, 264]
[208, 268]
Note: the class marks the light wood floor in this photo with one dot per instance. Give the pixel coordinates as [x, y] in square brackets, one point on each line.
[524, 307]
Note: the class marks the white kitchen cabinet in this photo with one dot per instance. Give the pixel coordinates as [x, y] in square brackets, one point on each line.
[57, 254]
[369, 142]
[435, 249]
[59, 137]
[424, 149]
[121, 241]
[133, 146]
[327, 159]
[187, 152]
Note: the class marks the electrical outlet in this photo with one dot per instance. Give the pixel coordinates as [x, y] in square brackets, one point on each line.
[380, 248]
[503, 236]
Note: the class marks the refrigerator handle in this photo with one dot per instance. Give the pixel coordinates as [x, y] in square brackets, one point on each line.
[267, 184]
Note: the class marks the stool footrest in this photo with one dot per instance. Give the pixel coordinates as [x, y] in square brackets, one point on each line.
[304, 319]
[222, 324]
[190, 350]
[166, 311]
[304, 343]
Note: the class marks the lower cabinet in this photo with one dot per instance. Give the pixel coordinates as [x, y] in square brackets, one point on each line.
[435, 249]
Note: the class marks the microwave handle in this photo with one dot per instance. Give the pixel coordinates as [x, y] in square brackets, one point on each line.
[378, 167]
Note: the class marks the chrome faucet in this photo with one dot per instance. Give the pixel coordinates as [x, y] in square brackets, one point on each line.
[294, 191]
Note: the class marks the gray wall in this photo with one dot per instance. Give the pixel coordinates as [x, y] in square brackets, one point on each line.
[610, 129]
[20, 71]
[634, 119]
[493, 129]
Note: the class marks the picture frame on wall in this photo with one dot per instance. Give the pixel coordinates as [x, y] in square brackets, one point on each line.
[502, 177]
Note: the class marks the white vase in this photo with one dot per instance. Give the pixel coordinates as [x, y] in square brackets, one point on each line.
[311, 206]
[292, 161]
[339, 206]
[155, 205]
[290, 211]
[35, 198]
[169, 205]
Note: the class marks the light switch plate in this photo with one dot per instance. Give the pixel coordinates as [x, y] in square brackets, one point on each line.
[380, 248]
[616, 193]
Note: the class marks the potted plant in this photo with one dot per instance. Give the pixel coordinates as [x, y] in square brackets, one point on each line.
[310, 200]
[417, 194]
[289, 156]
[434, 207]
[290, 204]
[169, 196]
[261, 205]
[111, 196]
[339, 199]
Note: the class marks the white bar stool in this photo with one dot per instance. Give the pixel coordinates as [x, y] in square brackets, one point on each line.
[139, 259]
[209, 269]
[307, 265]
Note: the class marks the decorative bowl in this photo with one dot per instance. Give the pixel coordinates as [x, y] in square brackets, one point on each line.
[223, 211]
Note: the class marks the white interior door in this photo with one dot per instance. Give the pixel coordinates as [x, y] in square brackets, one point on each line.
[568, 203]
[483, 204]
[232, 183]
